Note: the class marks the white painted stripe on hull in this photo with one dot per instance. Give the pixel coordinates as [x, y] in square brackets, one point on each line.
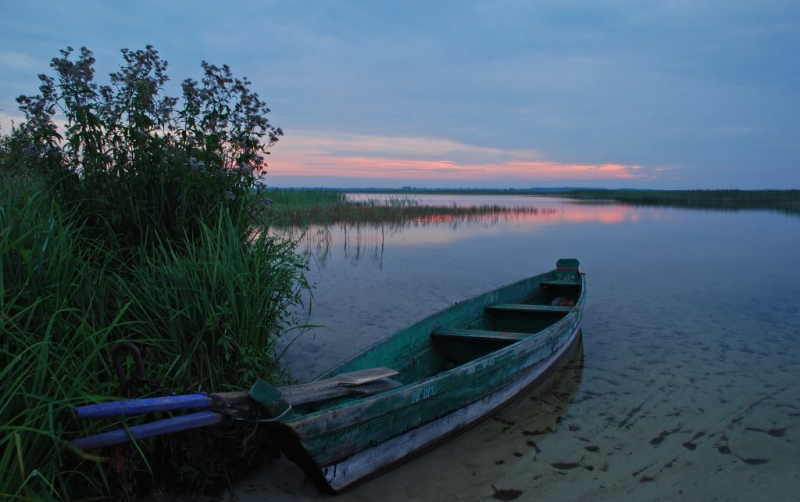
[348, 471]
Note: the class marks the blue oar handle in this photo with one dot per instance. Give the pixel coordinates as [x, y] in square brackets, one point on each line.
[157, 428]
[165, 403]
[146, 405]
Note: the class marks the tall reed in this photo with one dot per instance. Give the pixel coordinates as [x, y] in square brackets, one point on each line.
[215, 306]
[52, 354]
[300, 208]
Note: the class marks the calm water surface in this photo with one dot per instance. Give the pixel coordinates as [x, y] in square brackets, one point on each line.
[686, 387]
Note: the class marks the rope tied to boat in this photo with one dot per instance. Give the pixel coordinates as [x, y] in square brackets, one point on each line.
[259, 421]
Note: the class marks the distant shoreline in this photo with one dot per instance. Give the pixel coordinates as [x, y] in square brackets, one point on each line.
[562, 191]
[300, 206]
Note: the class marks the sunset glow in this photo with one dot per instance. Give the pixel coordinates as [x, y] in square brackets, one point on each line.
[376, 157]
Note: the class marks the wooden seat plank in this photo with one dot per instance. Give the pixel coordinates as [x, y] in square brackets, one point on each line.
[478, 334]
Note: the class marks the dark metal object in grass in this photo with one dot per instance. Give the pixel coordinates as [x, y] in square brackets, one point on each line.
[130, 386]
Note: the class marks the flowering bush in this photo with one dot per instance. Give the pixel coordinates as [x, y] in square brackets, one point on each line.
[139, 161]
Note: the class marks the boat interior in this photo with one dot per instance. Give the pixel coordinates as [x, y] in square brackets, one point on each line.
[505, 323]
[456, 336]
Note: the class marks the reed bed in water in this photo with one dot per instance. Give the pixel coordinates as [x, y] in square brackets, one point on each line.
[327, 207]
[293, 200]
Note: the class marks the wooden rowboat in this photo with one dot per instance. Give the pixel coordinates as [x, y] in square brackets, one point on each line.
[453, 368]
[399, 397]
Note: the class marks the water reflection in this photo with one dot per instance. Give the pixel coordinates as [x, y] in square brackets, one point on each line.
[366, 241]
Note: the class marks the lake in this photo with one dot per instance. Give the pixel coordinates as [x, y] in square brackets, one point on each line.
[686, 384]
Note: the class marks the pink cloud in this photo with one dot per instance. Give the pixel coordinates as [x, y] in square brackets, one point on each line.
[419, 158]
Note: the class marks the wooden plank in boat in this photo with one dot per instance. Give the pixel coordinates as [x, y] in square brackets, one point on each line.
[478, 334]
[365, 376]
[344, 379]
[309, 393]
[374, 387]
[354, 382]
[524, 307]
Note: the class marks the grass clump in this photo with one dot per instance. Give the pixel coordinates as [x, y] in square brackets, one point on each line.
[233, 294]
[136, 222]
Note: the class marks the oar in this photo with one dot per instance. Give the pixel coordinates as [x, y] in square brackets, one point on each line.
[157, 428]
[165, 403]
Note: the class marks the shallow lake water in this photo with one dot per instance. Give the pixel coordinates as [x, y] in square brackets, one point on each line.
[686, 387]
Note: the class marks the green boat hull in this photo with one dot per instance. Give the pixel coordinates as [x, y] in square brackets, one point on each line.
[456, 367]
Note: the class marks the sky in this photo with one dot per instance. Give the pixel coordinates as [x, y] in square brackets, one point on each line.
[493, 94]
